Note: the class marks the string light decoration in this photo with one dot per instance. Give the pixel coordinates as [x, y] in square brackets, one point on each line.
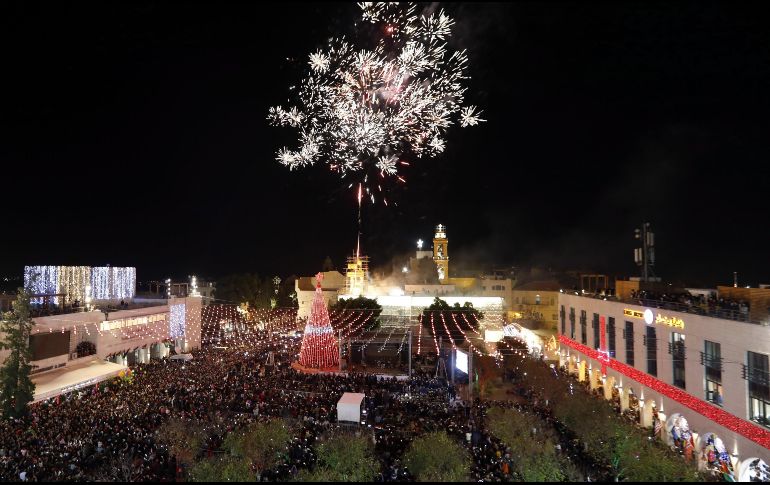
[177, 321]
[106, 283]
[370, 106]
[711, 412]
[419, 335]
[319, 346]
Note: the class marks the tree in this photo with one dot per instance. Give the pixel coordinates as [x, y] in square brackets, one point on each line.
[361, 304]
[222, 469]
[262, 445]
[246, 288]
[85, 348]
[533, 453]
[16, 388]
[435, 457]
[446, 317]
[287, 293]
[184, 439]
[328, 264]
[343, 458]
[487, 369]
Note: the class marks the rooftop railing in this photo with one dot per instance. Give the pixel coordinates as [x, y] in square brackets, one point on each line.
[51, 310]
[702, 309]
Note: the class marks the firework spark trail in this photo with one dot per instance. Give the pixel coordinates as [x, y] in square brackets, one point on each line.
[368, 107]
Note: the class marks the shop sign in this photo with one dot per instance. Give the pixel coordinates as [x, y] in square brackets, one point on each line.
[633, 313]
[645, 315]
[670, 321]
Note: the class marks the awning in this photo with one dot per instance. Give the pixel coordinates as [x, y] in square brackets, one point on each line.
[183, 357]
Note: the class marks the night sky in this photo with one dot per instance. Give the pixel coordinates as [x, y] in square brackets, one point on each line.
[135, 134]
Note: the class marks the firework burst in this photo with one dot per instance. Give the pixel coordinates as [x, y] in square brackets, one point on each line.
[367, 108]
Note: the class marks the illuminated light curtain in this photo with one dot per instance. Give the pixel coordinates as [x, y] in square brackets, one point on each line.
[123, 283]
[100, 283]
[113, 283]
[73, 280]
[319, 346]
[46, 281]
[177, 322]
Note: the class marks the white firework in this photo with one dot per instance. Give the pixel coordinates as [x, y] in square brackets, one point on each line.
[387, 164]
[366, 107]
[468, 117]
[319, 62]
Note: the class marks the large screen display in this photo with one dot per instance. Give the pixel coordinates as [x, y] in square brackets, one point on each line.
[47, 345]
[461, 361]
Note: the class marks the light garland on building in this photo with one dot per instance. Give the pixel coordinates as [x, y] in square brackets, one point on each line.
[419, 335]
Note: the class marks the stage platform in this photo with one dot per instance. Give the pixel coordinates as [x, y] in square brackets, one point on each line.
[335, 371]
[72, 377]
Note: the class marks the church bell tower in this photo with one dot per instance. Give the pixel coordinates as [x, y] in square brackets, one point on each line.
[441, 253]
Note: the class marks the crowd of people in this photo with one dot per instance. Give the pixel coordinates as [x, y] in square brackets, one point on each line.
[701, 304]
[110, 432]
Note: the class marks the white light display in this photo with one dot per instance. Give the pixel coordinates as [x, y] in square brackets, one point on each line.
[461, 361]
[81, 283]
[177, 321]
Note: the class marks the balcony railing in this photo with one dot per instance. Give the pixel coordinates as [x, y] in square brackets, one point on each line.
[710, 361]
[676, 350]
[755, 375]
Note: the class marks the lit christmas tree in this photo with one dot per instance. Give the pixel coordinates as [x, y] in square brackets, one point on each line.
[319, 347]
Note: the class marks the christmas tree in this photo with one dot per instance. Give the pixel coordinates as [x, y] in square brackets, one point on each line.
[319, 347]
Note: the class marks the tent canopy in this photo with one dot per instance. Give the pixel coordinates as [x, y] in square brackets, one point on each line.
[349, 407]
[184, 357]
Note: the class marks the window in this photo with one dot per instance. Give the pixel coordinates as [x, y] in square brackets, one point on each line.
[651, 341]
[629, 336]
[572, 323]
[711, 359]
[583, 338]
[677, 350]
[757, 373]
[595, 327]
[611, 336]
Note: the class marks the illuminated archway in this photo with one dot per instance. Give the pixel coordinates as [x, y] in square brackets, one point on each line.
[754, 470]
[715, 456]
[610, 392]
[679, 435]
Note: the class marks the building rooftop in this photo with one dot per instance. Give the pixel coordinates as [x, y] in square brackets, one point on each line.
[542, 285]
[723, 308]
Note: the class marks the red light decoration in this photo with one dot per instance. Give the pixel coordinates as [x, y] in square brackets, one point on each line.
[319, 347]
[733, 423]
